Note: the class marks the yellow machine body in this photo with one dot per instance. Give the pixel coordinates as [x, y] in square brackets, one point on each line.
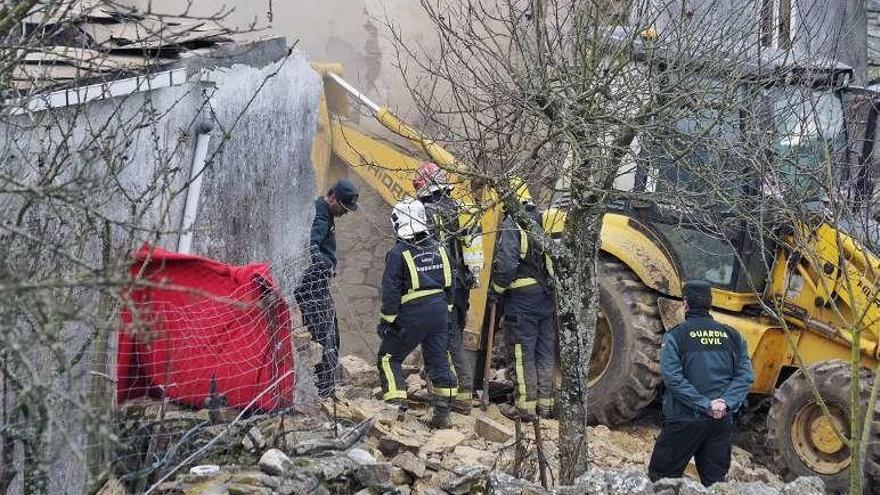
[829, 292]
[389, 169]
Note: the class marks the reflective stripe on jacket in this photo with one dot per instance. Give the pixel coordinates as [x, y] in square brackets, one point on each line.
[414, 271]
[520, 261]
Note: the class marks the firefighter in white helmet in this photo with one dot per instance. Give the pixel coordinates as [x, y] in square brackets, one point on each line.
[417, 296]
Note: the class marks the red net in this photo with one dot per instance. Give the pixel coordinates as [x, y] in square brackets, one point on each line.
[200, 332]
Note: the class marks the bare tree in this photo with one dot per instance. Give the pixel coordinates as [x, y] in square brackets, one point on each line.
[102, 105]
[606, 112]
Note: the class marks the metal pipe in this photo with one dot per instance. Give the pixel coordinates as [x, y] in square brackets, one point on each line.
[354, 92]
[194, 191]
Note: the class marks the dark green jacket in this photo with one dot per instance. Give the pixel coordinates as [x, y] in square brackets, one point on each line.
[703, 360]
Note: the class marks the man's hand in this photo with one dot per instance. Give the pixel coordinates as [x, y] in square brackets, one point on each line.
[718, 408]
[494, 297]
[385, 329]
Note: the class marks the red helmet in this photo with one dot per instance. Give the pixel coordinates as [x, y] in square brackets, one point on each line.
[429, 178]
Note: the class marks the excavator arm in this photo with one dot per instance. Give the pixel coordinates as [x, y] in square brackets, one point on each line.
[389, 169]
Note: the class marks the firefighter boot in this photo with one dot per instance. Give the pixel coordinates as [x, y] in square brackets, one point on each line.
[545, 411]
[440, 418]
[463, 403]
[514, 413]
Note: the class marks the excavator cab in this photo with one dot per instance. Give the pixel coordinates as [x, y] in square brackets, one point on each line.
[801, 288]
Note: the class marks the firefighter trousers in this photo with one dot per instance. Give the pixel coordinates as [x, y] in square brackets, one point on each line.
[421, 322]
[319, 317]
[461, 365]
[529, 324]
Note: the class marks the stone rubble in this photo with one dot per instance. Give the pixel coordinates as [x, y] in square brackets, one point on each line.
[492, 430]
[277, 455]
[275, 462]
[358, 373]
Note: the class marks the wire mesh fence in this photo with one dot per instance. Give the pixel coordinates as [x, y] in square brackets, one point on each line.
[201, 361]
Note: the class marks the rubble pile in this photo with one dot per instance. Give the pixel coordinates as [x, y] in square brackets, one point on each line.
[360, 445]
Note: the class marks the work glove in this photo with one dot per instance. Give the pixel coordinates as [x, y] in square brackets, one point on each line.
[471, 281]
[385, 329]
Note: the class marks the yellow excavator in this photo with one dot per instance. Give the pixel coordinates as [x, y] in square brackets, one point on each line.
[821, 280]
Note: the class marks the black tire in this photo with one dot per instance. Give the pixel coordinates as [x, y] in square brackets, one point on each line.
[630, 380]
[793, 402]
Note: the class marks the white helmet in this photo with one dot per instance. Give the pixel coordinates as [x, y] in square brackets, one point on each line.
[408, 218]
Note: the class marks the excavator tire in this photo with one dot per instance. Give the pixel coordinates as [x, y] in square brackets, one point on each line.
[625, 363]
[803, 438]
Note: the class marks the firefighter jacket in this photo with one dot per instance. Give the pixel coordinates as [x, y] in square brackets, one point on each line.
[520, 261]
[445, 225]
[412, 272]
[322, 239]
[703, 360]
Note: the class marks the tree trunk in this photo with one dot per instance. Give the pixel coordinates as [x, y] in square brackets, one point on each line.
[577, 304]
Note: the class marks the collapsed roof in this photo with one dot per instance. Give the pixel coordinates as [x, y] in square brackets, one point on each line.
[83, 41]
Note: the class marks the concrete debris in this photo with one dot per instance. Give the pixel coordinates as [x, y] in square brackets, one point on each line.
[391, 445]
[469, 455]
[415, 380]
[357, 372]
[414, 359]
[805, 485]
[629, 482]
[328, 468]
[275, 462]
[308, 351]
[415, 384]
[256, 478]
[492, 430]
[441, 441]
[593, 482]
[678, 486]
[466, 480]
[377, 475]
[749, 488]
[385, 453]
[342, 443]
[504, 484]
[409, 463]
[210, 487]
[361, 456]
[742, 468]
[253, 440]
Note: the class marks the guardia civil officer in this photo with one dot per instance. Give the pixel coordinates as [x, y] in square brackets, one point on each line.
[708, 374]
[417, 295]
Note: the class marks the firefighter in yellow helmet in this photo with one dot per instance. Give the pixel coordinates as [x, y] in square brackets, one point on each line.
[521, 274]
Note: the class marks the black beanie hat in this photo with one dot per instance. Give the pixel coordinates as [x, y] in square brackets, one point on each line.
[698, 294]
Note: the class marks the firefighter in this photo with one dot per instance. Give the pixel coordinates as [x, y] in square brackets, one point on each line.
[521, 273]
[417, 294]
[462, 242]
[313, 293]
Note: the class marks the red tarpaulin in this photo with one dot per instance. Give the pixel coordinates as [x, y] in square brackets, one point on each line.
[204, 319]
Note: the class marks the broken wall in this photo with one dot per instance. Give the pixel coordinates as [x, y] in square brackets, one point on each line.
[256, 205]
